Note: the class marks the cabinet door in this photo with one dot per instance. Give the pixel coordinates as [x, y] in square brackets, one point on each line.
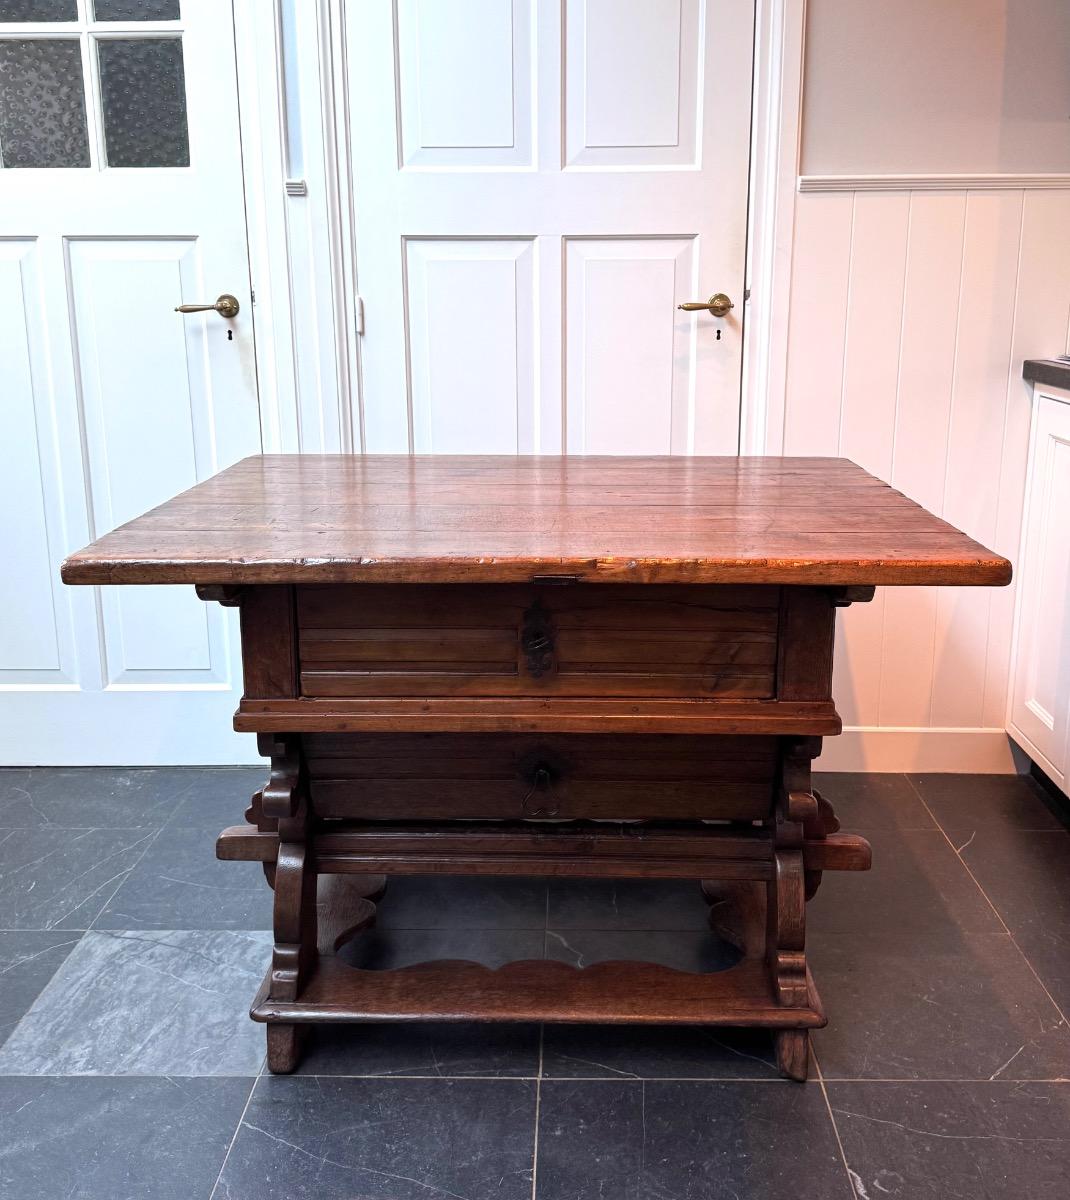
[1040, 699]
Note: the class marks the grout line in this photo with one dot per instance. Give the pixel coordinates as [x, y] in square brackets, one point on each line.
[832, 1118]
[237, 1128]
[988, 900]
[553, 1079]
[538, 1102]
[725, 1079]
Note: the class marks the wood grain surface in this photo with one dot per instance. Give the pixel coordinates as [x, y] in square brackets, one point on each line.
[497, 519]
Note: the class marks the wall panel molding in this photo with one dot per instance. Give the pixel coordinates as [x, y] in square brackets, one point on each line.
[930, 183]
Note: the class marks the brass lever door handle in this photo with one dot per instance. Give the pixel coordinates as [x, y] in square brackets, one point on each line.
[226, 305]
[718, 304]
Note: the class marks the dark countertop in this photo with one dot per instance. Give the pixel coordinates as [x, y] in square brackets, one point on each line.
[1055, 372]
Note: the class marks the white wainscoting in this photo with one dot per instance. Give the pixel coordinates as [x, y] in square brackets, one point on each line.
[912, 311]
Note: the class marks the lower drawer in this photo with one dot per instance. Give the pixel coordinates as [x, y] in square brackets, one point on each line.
[511, 777]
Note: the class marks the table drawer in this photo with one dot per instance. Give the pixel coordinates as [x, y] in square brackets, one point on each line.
[512, 777]
[499, 641]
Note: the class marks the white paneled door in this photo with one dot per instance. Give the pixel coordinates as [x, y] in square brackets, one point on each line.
[120, 198]
[538, 185]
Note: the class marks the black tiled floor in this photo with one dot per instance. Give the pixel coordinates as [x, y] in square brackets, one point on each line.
[932, 1141]
[624, 904]
[109, 1139]
[917, 885]
[963, 803]
[868, 802]
[28, 960]
[942, 1059]
[1026, 876]
[333, 1139]
[932, 1006]
[650, 1140]
[655, 1052]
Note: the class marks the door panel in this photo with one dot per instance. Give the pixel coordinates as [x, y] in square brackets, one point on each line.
[471, 107]
[628, 395]
[123, 197]
[599, 149]
[633, 86]
[471, 334]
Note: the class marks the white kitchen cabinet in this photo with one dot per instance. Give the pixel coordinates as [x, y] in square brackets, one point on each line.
[1038, 715]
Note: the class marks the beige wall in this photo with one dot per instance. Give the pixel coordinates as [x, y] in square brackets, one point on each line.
[936, 86]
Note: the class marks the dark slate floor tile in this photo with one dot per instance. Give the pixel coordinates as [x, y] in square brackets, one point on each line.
[146, 1003]
[120, 1139]
[656, 1052]
[867, 801]
[1026, 875]
[686, 950]
[917, 884]
[61, 879]
[932, 1141]
[437, 1049]
[386, 949]
[338, 1139]
[963, 803]
[28, 960]
[915, 1006]
[180, 884]
[718, 1141]
[218, 796]
[91, 797]
[626, 904]
[463, 902]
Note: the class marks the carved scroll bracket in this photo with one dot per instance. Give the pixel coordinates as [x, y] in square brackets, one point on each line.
[229, 596]
[844, 597]
[282, 796]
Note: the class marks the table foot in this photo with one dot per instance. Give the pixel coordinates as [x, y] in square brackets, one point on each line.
[285, 1044]
[793, 1053]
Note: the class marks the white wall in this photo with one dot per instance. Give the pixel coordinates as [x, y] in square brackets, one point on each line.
[953, 86]
[911, 312]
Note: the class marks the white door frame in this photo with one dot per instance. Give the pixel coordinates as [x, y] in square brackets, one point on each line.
[300, 208]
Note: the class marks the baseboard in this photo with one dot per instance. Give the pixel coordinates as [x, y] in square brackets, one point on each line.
[871, 748]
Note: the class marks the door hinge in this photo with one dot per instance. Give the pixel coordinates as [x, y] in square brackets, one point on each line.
[358, 315]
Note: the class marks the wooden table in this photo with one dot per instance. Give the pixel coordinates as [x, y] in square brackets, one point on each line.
[597, 667]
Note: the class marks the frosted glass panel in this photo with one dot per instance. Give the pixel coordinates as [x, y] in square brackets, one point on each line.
[143, 101]
[136, 10]
[38, 10]
[42, 104]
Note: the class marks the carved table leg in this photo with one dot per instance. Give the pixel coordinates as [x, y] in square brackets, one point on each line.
[312, 916]
[797, 815]
[293, 958]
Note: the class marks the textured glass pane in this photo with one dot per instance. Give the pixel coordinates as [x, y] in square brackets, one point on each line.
[38, 10]
[42, 105]
[143, 99]
[135, 10]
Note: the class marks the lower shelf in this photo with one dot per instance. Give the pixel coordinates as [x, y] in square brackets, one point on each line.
[541, 990]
